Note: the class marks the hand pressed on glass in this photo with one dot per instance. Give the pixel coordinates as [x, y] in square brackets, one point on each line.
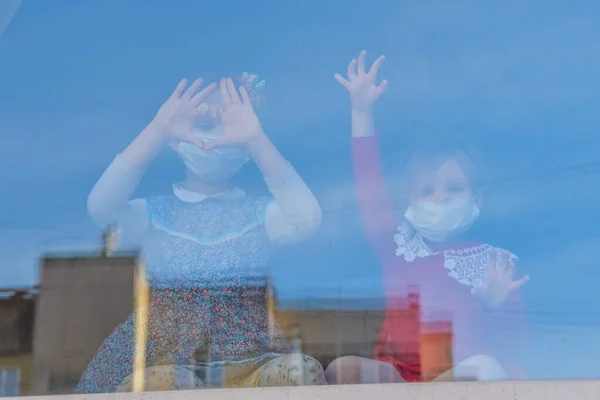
[499, 282]
[175, 119]
[240, 123]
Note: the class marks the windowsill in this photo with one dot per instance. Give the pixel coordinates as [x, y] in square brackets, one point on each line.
[525, 390]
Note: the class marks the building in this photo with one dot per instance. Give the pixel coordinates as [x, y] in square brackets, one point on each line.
[82, 298]
[327, 334]
[16, 320]
[17, 307]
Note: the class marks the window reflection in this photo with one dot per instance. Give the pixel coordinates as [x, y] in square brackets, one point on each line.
[299, 227]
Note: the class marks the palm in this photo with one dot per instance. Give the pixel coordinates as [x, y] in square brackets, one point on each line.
[362, 84]
[180, 116]
[239, 121]
[177, 115]
[499, 282]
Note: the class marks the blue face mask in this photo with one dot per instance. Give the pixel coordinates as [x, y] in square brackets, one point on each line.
[212, 165]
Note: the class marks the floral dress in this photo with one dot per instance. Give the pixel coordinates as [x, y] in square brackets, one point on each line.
[207, 320]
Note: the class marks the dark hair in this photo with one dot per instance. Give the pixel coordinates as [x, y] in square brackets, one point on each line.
[432, 154]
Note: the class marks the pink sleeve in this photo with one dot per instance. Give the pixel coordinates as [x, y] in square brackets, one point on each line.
[374, 202]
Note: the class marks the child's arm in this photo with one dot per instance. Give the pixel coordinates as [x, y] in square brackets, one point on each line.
[108, 202]
[375, 205]
[295, 212]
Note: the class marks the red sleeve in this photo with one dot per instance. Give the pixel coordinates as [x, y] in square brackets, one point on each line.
[374, 202]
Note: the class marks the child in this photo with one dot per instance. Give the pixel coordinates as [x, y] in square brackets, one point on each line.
[468, 282]
[205, 247]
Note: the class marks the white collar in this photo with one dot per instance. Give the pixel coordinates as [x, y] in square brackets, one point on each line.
[188, 196]
[468, 266]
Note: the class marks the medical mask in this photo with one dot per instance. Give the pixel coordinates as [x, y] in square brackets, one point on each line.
[212, 165]
[438, 221]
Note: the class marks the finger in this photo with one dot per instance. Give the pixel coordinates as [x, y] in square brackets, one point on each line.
[492, 271]
[492, 274]
[382, 88]
[224, 92]
[179, 89]
[233, 93]
[505, 264]
[361, 62]
[375, 67]
[245, 97]
[352, 68]
[341, 80]
[192, 89]
[202, 95]
[510, 271]
[520, 282]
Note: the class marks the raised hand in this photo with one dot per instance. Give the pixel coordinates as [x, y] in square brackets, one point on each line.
[361, 84]
[241, 125]
[499, 282]
[175, 118]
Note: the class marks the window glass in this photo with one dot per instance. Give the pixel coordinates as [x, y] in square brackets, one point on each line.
[225, 194]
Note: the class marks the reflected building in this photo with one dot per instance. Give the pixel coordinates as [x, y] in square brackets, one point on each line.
[81, 299]
[17, 308]
[339, 328]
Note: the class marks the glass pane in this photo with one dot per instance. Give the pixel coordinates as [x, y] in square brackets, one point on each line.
[9, 382]
[307, 214]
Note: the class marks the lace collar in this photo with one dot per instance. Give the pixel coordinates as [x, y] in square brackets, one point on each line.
[467, 265]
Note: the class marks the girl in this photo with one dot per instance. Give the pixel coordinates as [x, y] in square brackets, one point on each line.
[205, 248]
[469, 283]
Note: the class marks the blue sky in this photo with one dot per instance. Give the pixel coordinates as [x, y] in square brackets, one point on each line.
[78, 80]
